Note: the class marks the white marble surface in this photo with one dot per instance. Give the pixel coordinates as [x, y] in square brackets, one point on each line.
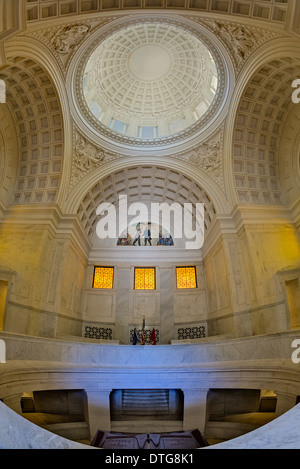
[281, 433]
[261, 362]
[265, 347]
[18, 433]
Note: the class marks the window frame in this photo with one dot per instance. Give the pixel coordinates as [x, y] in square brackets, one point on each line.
[113, 277]
[194, 267]
[144, 289]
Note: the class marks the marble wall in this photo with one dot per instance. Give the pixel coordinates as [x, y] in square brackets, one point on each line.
[47, 269]
[44, 271]
[244, 290]
[123, 308]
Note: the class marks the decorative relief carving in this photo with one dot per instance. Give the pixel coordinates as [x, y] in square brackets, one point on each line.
[208, 157]
[68, 37]
[239, 39]
[86, 157]
[64, 41]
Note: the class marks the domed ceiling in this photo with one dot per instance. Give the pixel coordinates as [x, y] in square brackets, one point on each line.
[149, 83]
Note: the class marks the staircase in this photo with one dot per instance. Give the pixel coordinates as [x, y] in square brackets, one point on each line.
[145, 402]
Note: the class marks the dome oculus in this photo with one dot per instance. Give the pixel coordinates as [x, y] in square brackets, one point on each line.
[149, 81]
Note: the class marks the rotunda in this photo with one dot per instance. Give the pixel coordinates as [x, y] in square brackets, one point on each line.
[150, 217]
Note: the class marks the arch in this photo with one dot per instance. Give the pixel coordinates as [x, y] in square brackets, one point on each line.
[259, 78]
[143, 183]
[212, 189]
[30, 51]
[289, 166]
[8, 155]
[32, 98]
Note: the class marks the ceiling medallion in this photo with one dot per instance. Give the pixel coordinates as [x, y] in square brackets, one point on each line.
[149, 83]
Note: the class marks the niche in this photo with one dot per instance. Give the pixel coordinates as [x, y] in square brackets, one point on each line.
[146, 404]
[230, 402]
[69, 403]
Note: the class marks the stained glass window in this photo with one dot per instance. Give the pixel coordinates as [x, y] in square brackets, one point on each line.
[103, 277]
[186, 277]
[144, 278]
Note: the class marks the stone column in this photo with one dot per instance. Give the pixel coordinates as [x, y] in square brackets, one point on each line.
[285, 402]
[195, 409]
[98, 411]
[166, 306]
[14, 402]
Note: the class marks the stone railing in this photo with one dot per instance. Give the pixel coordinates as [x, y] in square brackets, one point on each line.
[19, 433]
[259, 362]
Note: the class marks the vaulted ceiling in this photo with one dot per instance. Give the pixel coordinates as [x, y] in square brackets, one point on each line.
[236, 156]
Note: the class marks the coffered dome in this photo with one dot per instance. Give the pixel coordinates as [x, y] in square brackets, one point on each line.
[150, 83]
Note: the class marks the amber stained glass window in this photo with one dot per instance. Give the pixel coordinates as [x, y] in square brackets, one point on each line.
[144, 278]
[103, 277]
[186, 277]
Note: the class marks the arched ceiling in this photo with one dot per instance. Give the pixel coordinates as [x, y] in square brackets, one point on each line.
[143, 183]
[33, 102]
[263, 109]
[270, 11]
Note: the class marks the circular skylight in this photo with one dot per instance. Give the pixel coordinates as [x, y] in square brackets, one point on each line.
[149, 81]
